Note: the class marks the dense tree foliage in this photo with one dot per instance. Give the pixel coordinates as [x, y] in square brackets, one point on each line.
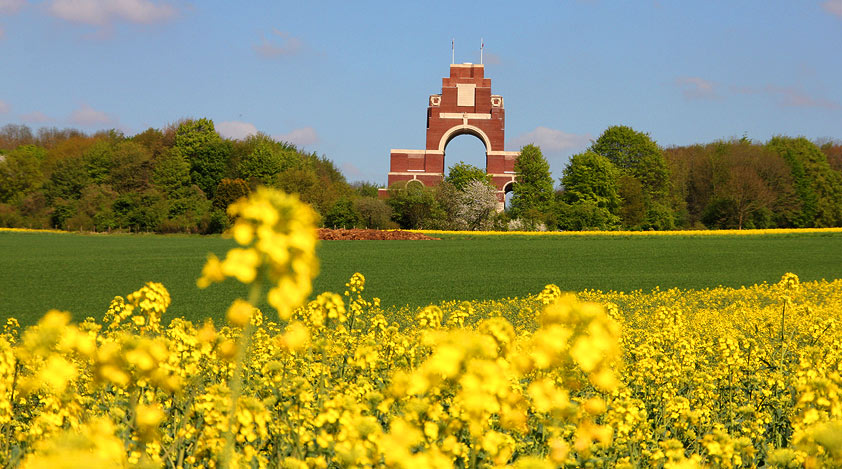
[533, 193]
[461, 174]
[182, 177]
[177, 179]
[818, 186]
[638, 157]
[590, 197]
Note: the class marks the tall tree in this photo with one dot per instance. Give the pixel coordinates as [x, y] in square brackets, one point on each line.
[20, 172]
[590, 197]
[533, 192]
[590, 176]
[818, 186]
[207, 153]
[635, 154]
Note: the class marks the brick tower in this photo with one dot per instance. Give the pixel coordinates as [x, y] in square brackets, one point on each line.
[465, 106]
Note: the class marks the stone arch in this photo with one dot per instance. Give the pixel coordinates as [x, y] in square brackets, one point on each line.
[464, 129]
[465, 106]
[414, 182]
[508, 188]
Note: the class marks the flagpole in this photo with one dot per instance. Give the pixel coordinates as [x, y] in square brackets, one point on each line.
[452, 51]
[481, 45]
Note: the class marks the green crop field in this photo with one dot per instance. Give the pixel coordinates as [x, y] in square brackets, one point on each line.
[82, 273]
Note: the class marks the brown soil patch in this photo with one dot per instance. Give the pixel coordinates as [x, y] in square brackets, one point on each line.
[354, 234]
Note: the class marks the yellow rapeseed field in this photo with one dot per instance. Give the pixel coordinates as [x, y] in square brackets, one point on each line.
[752, 232]
[717, 378]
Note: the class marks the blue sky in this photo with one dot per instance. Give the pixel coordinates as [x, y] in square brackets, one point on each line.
[350, 80]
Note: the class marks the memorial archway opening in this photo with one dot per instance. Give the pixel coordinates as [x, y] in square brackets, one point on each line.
[508, 193]
[465, 148]
[465, 106]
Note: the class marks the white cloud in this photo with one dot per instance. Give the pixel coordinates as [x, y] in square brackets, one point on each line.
[35, 117]
[300, 137]
[288, 45]
[236, 130]
[552, 140]
[789, 96]
[697, 88]
[4, 108]
[793, 97]
[88, 117]
[11, 6]
[834, 7]
[103, 12]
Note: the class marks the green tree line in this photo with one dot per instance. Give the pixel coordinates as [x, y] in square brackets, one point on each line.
[181, 179]
[177, 179]
[624, 180]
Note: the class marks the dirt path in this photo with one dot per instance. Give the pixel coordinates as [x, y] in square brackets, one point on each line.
[355, 234]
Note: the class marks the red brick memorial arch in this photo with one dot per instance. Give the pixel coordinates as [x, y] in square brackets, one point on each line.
[465, 106]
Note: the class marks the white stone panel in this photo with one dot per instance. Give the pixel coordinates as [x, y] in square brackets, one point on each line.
[466, 93]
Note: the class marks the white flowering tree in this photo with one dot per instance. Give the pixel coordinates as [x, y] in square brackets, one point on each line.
[475, 206]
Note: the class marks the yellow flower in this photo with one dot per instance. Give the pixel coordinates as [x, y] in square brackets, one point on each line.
[295, 337]
[240, 313]
[57, 372]
[148, 418]
[241, 264]
[211, 272]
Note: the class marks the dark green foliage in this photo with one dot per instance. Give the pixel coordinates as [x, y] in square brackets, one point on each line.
[817, 185]
[140, 211]
[414, 206]
[591, 198]
[585, 214]
[132, 167]
[374, 213]
[171, 180]
[633, 210]
[68, 178]
[591, 177]
[636, 154]
[94, 210]
[172, 172]
[229, 191]
[207, 167]
[206, 152]
[533, 193]
[188, 211]
[99, 161]
[659, 216]
[343, 214]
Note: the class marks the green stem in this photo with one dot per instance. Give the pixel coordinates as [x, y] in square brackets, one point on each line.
[235, 383]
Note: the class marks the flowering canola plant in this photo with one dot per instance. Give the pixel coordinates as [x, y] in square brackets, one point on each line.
[725, 377]
[750, 232]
